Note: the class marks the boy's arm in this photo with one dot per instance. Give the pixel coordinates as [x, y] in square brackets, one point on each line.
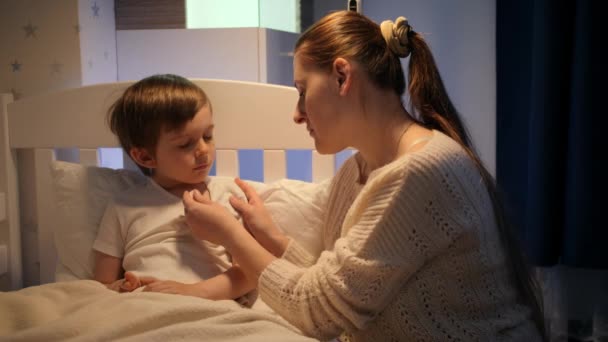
[228, 285]
[108, 270]
[231, 284]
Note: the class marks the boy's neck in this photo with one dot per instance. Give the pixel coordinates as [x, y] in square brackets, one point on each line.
[179, 189]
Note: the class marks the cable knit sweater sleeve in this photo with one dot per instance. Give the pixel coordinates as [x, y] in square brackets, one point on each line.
[387, 235]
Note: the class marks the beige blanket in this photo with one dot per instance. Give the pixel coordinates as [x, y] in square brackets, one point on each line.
[85, 310]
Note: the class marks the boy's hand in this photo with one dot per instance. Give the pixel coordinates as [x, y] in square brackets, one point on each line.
[133, 282]
[130, 283]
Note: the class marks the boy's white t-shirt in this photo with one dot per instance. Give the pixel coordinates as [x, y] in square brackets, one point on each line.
[145, 226]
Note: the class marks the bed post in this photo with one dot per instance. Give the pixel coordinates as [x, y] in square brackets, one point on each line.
[10, 232]
[45, 214]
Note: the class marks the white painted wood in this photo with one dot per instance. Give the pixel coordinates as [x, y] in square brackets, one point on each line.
[2, 206]
[3, 260]
[275, 165]
[28, 218]
[247, 115]
[262, 56]
[322, 166]
[227, 53]
[9, 185]
[227, 163]
[89, 156]
[45, 214]
[31, 259]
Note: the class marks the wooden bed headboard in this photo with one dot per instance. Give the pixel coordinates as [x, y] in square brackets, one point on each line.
[247, 116]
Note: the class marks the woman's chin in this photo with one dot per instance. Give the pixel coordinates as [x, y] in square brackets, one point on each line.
[324, 149]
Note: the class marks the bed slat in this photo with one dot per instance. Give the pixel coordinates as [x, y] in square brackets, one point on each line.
[227, 163]
[275, 165]
[322, 166]
[45, 214]
[8, 185]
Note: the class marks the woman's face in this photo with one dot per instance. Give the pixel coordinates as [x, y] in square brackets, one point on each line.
[318, 106]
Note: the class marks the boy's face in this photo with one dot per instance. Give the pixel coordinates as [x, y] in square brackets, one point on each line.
[185, 155]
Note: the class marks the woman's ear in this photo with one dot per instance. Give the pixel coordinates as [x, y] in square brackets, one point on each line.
[142, 157]
[343, 72]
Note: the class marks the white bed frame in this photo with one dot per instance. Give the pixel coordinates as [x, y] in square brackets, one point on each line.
[247, 116]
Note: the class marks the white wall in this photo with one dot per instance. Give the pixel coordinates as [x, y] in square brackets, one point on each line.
[462, 37]
[40, 46]
[97, 41]
[244, 54]
[228, 53]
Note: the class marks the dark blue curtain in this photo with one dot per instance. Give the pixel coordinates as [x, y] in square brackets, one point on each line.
[551, 78]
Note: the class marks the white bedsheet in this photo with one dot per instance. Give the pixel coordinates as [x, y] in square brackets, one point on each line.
[85, 310]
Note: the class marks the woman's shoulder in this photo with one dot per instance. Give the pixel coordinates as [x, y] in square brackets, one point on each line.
[441, 152]
[439, 158]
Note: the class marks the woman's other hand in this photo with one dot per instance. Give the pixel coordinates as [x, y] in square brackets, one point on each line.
[258, 221]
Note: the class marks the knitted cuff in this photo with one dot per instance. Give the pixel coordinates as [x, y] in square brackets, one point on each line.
[298, 255]
[276, 276]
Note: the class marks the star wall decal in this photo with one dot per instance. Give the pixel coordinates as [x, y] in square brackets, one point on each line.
[95, 9]
[30, 30]
[56, 67]
[16, 66]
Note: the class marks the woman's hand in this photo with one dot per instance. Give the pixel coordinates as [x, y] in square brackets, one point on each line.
[208, 220]
[214, 223]
[258, 221]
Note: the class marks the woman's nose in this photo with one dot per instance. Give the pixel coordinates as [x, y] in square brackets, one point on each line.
[298, 116]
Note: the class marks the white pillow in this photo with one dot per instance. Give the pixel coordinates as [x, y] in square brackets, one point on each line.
[297, 208]
[82, 193]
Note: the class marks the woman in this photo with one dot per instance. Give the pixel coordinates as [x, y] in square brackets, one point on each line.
[417, 247]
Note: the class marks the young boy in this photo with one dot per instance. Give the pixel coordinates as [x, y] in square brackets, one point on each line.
[165, 124]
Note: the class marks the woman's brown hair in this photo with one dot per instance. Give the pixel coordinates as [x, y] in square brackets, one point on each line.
[350, 35]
